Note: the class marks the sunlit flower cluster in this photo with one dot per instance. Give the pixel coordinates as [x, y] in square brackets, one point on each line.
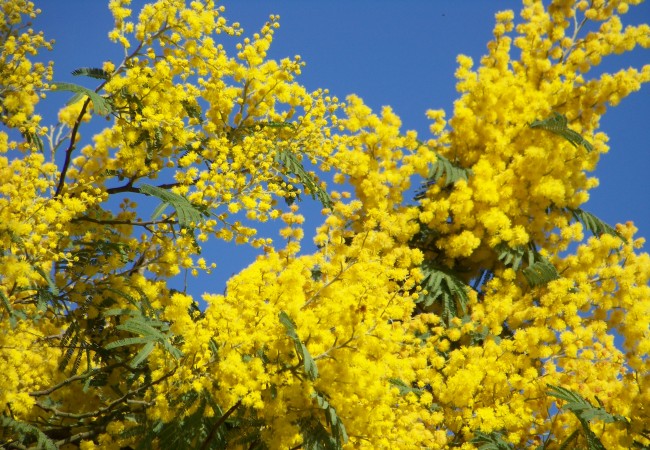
[97, 339]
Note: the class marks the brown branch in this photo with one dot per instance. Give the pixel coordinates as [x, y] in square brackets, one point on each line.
[72, 379]
[119, 222]
[110, 406]
[71, 147]
[217, 424]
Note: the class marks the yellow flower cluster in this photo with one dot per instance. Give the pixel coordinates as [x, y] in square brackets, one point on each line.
[21, 78]
[366, 342]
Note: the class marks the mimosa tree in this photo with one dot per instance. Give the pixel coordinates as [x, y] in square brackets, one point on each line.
[483, 307]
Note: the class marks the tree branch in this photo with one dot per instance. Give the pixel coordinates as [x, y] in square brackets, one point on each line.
[71, 147]
[217, 424]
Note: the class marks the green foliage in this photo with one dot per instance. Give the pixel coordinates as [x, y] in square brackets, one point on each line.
[149, 332]
[293, 165]
[442, 169]
[581, 407]
[92, 72]
[538, 270]
[491, 441]
[36, 293]
[585, 412]
[301, 349]
[594, 224]
[445, 168]
[24, 433]
[444, 287]
[190, 428]
[557, 124]
[14, 315]
[314, 437]
[188, 214]
[101, 105]
[35, 140]
[405, 389]
[192, 109]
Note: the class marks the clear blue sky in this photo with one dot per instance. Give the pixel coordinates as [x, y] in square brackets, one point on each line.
[399, 53]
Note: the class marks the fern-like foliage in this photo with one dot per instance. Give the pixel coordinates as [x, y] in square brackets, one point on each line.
[445, 288]
[594, 224]
[101, 105]
[557, 124]
[192, 109]
[149, 333]
[187, 431]
[301, 349]
[584, 412]
[188, 214]
[92, 72]
[490, 441]
[34, 139]
[293, 165]
[14, 315]
[443, 169]
[14, 431]
[405, 389]
[316, 436]
[540, 273]
[538, 270]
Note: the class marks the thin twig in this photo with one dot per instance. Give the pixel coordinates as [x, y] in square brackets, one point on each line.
[217, 424]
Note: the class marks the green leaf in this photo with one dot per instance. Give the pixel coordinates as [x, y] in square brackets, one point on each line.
[582, 408]
[35, 140]
[308, 362]
[444, 287]
[26, 433]
[491, 441]
[127, 341]
[92, 72]
[294, 166]
[50, 283]
[445, 168]
[101, 105]
[192, 110]
[557, 124]
[159, 210]
[334, 422]
[188, 214]
[541, 272]
[585, 412]
[442, 168]
[405, 388]
[594, 224]
[315, 436]
[148, 331]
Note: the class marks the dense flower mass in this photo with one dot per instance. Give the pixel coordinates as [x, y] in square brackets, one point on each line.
[490, 309]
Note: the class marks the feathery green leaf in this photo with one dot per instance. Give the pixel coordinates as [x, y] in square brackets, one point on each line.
[24, 433]
[557, 124]
[188, 214]
[444, 287]
[308, 362]
[101, 105]
[541, 272]
[293, 165]
[490, 441]
[594, 224]
[92, 72]
[585, 412]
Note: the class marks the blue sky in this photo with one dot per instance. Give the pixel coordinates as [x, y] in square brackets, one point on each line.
[397, 53]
